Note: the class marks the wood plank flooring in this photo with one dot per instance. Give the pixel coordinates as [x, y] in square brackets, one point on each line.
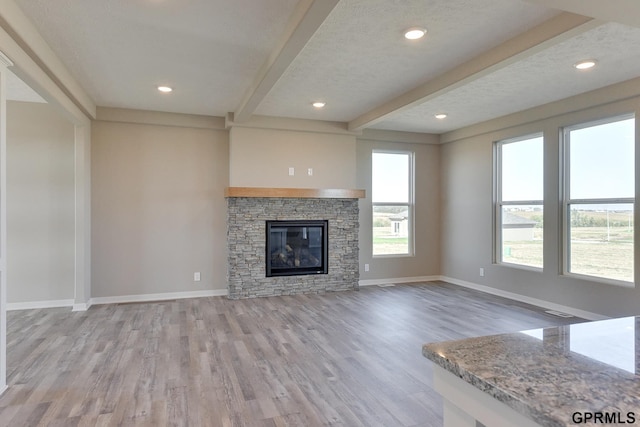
[339, 359]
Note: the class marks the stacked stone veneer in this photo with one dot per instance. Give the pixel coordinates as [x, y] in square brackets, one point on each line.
[246, 239]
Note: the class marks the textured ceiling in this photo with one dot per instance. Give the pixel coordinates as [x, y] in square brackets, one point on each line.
[359, 57]
[217, 54]
[541, 78]
[120, 50]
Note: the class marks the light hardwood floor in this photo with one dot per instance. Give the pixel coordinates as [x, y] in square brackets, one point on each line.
[339, 359]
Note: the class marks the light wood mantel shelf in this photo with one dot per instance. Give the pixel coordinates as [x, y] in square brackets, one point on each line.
[299, 193]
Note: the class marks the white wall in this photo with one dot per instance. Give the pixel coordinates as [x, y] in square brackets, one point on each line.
[40, 204]
[467, 168]
[262, 157]
[158, 208]
[262, 152]
[159, 213]
[426, 260]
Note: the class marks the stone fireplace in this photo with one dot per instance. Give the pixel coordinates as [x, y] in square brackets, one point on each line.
[249, 210]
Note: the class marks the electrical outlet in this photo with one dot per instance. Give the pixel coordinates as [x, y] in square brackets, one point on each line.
[196, 276]
[366, 267]
[292, 171]
[481, 272]
[310, 171]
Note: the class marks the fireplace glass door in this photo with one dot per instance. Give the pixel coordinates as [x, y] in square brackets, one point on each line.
[296, 247]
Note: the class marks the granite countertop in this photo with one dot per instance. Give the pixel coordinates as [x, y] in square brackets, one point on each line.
[549, 374]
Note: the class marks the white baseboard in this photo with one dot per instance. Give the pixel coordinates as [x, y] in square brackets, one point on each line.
[522, 298]
[30, 305]
[83, 306]
[158, 297]
[113, 300]
[374, 282]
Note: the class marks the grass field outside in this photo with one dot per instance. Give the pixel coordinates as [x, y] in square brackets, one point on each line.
[595, 251]
[385, 243]
[600, 251]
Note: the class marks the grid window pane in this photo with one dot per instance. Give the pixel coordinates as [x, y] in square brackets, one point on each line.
[392, 196]
[600, 199]
[522, 235]
[522, 170]
[390, 177]
[602, 161]
[601, 240]
[391, 230]
[520, 179]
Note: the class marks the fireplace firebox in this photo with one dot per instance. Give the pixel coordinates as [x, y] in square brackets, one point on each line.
[297, 247]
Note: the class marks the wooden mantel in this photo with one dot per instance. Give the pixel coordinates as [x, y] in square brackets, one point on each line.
[296, 193]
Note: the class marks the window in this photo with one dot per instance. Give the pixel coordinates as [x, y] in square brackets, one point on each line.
[599, 197]
[519, 201]
[392, 195]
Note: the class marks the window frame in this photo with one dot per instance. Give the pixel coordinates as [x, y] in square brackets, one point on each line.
[499, 204]
[567, 201]
[410, 204]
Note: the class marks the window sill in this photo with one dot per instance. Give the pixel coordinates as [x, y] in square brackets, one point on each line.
[601, 280]
[520, 267]
[394, 256]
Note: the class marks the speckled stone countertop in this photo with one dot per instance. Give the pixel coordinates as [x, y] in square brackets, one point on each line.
[549, 374]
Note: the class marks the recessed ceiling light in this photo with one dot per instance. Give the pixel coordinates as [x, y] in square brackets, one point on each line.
[164, 89]
[319, 104]
[585, 65]
[440, 116]
[415, 33]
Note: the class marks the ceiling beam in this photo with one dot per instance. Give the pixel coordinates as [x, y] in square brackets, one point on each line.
[549, 33]
[21, 32]
[621, 11]
[304, 22]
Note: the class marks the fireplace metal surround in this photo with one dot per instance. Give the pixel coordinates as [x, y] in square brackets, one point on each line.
[296, 247]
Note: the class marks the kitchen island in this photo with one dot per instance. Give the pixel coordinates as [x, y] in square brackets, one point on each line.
[580, 374]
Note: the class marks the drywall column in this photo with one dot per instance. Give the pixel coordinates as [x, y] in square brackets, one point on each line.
[82, 299]
[4, 63]
[32, 56]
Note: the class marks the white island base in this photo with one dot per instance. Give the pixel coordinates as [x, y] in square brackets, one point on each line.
[464, 405]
